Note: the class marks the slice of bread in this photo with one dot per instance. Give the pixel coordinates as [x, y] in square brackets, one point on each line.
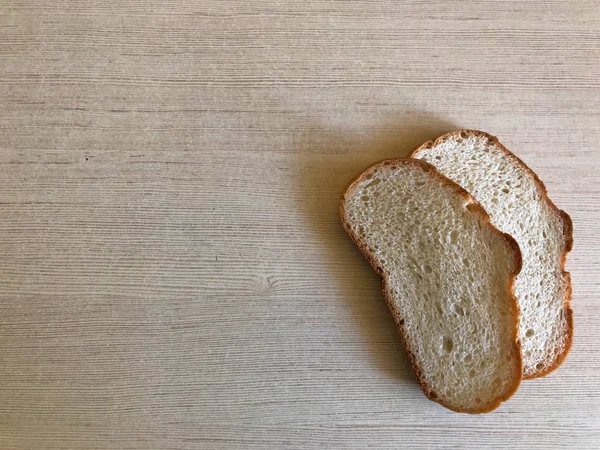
[447, 278]
[518, 204]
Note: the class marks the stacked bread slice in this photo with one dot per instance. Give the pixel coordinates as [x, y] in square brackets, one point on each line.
[481, 301]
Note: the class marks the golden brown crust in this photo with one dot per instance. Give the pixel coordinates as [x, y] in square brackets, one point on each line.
[484, 217]
[567, 237]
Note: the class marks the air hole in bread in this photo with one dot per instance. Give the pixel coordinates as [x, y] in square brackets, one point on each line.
[459, 310]
[472, 373]
[447, 344]
[494, 200]
[506, 190]
[420, 183]
[439, 309]
[539, 366]
[438, 157]
[427, 268]
[468, 357]
[529, 333]
[365, 198]
[454, 236]
[544, 234]
[463, 134]
[375, 182]
[466, 262]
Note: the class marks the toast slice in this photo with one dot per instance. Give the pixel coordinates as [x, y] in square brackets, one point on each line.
[447, 278]
[518, 204]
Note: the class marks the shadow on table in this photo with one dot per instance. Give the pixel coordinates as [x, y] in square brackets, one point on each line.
[325, 162]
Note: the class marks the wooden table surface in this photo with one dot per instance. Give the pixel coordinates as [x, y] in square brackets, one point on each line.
[173, 272]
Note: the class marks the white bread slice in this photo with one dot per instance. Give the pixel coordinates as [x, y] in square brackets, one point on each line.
[518, 204]
[447, 278]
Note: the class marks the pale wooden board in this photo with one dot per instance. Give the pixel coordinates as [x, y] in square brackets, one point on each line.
[173, 273]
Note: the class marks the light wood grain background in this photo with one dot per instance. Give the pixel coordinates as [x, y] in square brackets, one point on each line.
[173, 273]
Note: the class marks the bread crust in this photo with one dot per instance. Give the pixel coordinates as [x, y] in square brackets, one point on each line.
[478, 210]
[567, 239]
